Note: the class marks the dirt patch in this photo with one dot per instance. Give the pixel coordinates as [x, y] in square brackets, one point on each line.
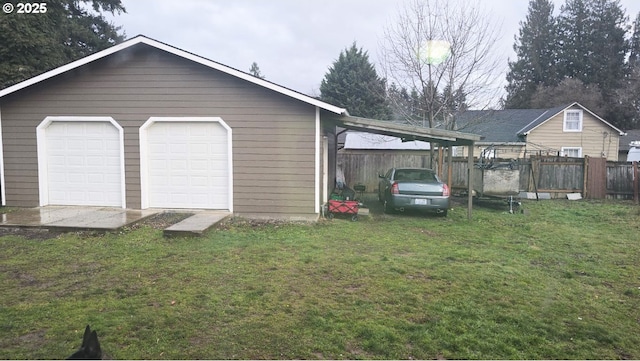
[255, 223]
[162, 220]
[29, 233]
[34, 340]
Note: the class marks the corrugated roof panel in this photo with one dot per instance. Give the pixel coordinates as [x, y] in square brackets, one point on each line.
[360, 140]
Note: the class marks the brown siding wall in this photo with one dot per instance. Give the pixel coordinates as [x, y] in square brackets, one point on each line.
[594, 139]
[273, 135]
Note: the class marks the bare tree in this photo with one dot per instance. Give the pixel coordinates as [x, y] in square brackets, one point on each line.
[442, 51]
[569, 90]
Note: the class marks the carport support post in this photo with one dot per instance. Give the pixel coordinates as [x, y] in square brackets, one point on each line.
[470, 180]
[636, 183]
[449, 166]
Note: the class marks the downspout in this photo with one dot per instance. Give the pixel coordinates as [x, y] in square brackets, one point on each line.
[317, 163]
[2, 181]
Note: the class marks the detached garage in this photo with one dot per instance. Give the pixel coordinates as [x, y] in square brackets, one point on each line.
[146, 125]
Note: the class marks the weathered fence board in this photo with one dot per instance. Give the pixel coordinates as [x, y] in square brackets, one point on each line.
[619, 180]
[552, 174]
[364, 167]
[596, 181]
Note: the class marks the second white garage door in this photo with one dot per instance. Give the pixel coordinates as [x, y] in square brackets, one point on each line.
[188, 163]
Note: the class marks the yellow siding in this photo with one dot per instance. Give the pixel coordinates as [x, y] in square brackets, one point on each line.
[502, 151]
[596, 138]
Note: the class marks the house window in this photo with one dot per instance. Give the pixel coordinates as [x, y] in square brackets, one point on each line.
[574, 152]
[572, 121]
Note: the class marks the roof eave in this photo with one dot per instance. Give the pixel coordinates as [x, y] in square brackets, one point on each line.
[140, 39]
[525, 132]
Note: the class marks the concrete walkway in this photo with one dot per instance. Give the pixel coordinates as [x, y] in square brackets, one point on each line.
[69, 218]
[74, 217]
[196, 224]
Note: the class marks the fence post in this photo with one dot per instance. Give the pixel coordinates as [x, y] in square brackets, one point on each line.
[585, 183]
[535, 167]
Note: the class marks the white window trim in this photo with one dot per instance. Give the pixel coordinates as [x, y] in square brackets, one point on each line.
[564, 122]
[144, 165]
[563, 151]
[43, 175]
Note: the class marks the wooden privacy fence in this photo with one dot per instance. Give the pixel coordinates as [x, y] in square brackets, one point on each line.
[594, 178]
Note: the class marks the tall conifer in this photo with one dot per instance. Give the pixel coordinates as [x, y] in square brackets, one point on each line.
[353, 83]
[536, 58]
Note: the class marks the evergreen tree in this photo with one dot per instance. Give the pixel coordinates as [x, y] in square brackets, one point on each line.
[628, 94]
[609, 45]
[574, 38]
[255, 71]
[31, 44]
[353, 83]
[592, 34]
[634, 44]
[402, 104]
[536, 58]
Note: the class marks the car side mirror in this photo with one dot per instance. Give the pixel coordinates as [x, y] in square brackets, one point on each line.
[380, 175]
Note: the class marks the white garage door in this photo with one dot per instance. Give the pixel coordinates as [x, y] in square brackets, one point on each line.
[188, 165]
[82, 164]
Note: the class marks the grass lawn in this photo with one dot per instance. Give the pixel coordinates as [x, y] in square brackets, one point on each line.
[561, 281]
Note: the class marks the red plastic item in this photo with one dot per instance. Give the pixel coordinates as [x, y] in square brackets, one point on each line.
[346, 207]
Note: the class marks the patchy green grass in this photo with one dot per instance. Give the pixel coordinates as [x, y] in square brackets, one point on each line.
[561, 281]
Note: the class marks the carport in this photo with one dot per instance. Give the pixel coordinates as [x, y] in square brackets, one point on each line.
[446, 138]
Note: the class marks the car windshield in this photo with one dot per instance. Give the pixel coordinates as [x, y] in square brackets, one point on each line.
[415, 175]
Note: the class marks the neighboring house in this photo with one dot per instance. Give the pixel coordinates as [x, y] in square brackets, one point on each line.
[146, 125]
[625, 143]
[570, 130]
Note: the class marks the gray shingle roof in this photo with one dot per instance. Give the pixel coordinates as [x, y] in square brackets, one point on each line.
[504, 126]
[632, 135]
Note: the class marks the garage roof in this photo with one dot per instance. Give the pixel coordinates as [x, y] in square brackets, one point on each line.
[141, 39]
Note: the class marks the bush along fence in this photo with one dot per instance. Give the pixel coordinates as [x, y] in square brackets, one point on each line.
[594, 178]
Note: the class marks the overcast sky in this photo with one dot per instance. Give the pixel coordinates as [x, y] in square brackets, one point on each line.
[294, 42]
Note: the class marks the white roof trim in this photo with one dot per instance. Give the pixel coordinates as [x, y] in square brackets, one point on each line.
[140, 39]
[500, 144]
[620, 132]
[535, 120]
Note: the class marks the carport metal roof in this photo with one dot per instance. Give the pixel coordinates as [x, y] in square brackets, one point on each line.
[409, 132]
